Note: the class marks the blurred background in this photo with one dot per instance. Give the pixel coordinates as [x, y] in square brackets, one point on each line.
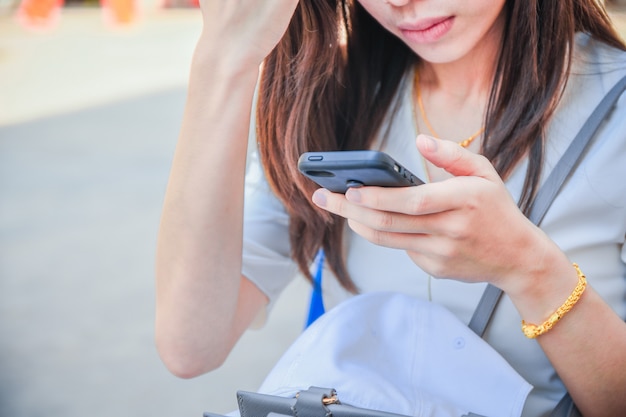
[90, 105]
[89, 115]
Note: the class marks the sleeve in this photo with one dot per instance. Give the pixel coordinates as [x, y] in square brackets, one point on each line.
[266, 261]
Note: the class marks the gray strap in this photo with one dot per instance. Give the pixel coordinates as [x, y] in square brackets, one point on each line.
[565, 408]
[559, 175]
[484, 310]
[573, 155]
[546, 195]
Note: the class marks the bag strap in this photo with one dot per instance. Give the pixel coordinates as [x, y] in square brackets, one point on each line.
[546, 195]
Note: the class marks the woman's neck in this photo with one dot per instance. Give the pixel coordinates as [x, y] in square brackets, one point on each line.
[470, 77]
[457, 91]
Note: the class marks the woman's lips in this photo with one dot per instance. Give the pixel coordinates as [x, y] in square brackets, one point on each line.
[428, 30]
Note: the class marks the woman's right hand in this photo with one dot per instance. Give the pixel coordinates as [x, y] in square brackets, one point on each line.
[249, 28]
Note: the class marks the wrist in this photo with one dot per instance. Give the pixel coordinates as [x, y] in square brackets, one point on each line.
[221, 79]
[540, 293]
[214, 53]
[532, 330]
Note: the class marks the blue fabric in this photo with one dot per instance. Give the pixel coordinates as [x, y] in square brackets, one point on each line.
[316, 305]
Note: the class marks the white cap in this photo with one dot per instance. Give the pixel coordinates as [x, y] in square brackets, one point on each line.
[395, 353]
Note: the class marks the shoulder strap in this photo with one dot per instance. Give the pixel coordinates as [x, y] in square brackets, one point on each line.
[559, 175]
[546, 195]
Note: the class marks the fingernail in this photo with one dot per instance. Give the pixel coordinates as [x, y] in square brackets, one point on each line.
[429, 143]
[353, 195]
[319, 198]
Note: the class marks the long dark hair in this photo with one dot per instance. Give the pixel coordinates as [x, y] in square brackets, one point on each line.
[331, 80]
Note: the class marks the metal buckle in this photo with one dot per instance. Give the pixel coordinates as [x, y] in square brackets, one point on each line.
[330, 400]
[326, 400]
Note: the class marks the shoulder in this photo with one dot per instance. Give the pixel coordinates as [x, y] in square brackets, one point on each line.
[596, 67]
[596, 64]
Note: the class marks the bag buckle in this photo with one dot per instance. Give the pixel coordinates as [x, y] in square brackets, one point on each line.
[326, 400]
[330, 400]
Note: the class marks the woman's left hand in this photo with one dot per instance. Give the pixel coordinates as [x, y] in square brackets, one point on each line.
[467, 227]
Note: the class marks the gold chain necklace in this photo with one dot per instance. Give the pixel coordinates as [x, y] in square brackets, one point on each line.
[418, 93]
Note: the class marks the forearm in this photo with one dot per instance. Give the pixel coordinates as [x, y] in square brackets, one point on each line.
[198, 265]
[587, 346]
[588, 350]
[203, 304]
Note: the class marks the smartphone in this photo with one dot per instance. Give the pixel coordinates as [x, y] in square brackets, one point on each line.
[339, 170]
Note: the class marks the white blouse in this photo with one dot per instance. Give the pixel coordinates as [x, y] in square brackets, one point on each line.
[587, 220]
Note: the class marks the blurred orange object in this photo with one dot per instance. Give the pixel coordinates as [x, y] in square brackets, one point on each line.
[44, 14]
[119, 11]
[39, 14]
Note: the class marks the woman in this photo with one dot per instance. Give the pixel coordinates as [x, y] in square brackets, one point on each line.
[511, 81]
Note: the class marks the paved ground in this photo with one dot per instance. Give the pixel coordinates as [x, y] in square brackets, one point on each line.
[88, 120]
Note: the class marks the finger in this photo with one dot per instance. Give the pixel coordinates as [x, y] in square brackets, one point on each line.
[424, 244]
[436, 255]
[421, 200]
[390, 239]
[335, 203]
[374, 219]
[455, 159]
[380, 220]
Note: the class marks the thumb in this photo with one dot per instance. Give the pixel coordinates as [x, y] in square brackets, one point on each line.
[455, 159]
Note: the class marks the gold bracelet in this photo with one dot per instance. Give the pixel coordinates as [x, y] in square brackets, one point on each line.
[531, 330]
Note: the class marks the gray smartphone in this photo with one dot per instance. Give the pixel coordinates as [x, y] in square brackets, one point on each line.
[339, 170]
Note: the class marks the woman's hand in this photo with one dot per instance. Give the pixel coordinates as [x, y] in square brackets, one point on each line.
[467, 227]
[248, 28]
